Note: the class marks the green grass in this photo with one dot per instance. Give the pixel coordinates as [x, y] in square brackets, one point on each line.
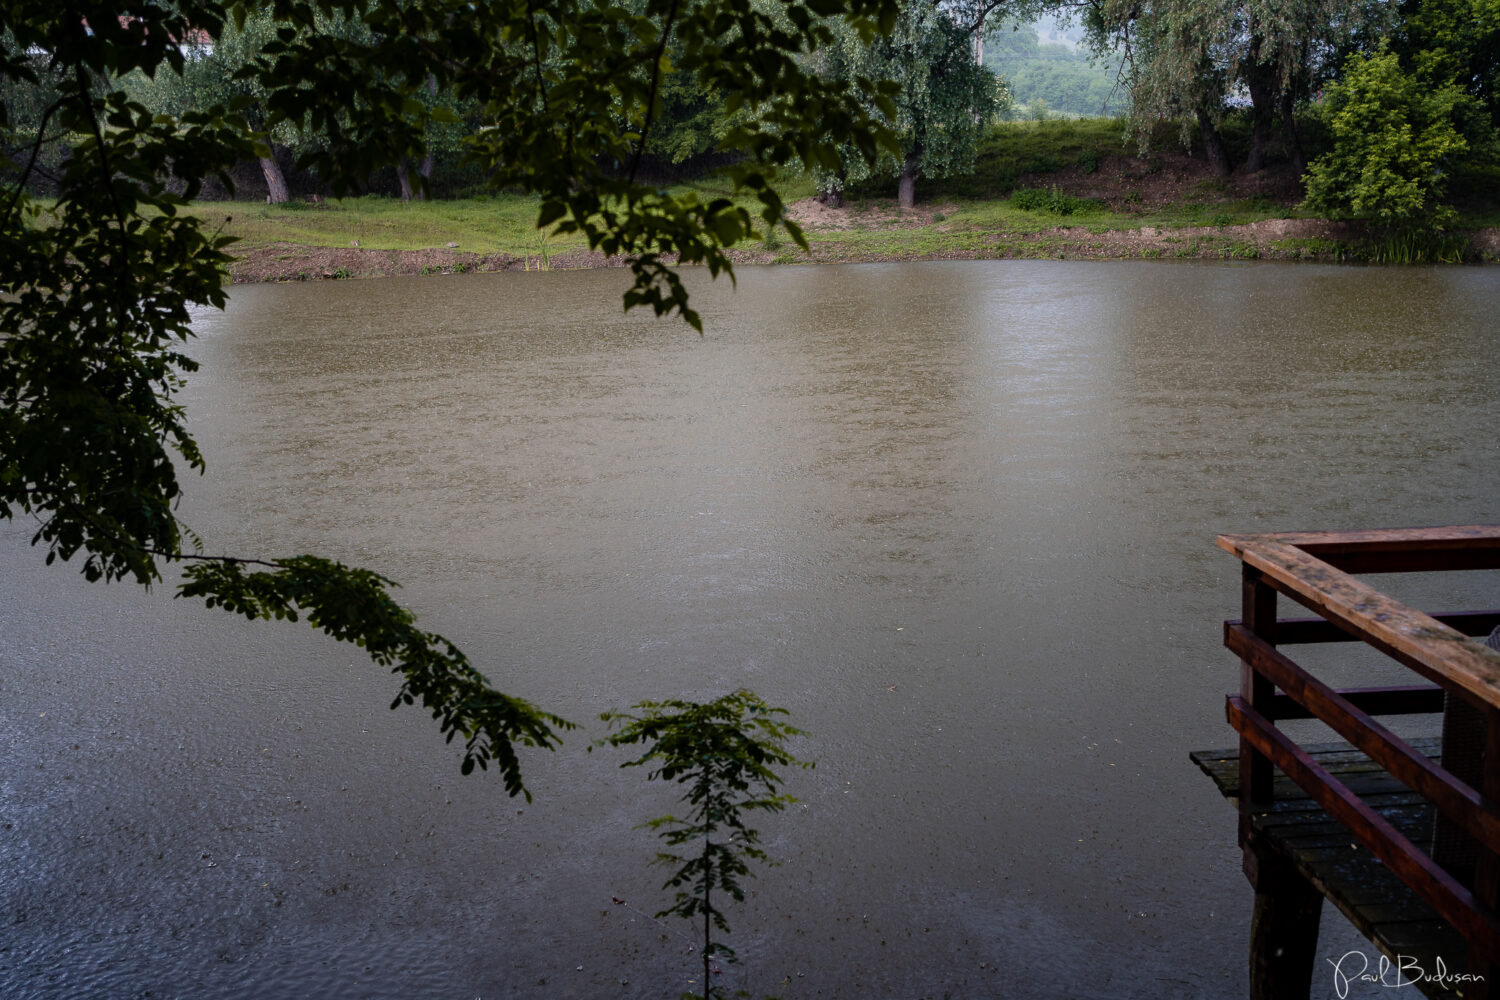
[1015, 149]
[1418, 248]
[982, 215]
[503, 224]
[1309, 247]
[492, 224]
[1054, 202]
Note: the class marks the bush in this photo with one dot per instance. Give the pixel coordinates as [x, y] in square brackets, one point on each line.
[1392, 138]
[1054, 201]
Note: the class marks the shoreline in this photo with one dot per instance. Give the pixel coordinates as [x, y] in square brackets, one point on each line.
[1315, 240]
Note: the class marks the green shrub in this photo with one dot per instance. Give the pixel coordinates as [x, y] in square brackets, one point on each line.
[1392, 136]
[1054, 201]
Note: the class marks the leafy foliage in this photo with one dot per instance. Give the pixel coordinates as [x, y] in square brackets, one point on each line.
[726, 752]
[1392, 135]
[211, 74]
[1054, 201]
[93, 301]
[1190, 59]
[1454, 42]
[556, 80]
[353, 605]
[96, 294]
[941, 107]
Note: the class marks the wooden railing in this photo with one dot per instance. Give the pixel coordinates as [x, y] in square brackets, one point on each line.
[1315, 569]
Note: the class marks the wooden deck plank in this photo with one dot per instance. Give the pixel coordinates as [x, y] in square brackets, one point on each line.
[1377, 903]
[1223, 765]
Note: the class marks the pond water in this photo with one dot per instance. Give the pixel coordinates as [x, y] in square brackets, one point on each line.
[959, 518]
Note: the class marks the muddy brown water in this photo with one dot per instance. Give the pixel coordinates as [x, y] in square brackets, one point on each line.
[958, 517]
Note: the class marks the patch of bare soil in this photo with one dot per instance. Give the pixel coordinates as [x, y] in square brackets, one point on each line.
[810, 213]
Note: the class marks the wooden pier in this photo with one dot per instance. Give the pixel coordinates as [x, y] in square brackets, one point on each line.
[1404, 838]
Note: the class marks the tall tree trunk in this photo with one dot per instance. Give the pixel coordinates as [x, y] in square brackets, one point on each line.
[833, 196]
[425, 169]
[404, 180]
[1261, 82]
[1293, 140]
[906, 188]
[1213, 144]
[276, 192]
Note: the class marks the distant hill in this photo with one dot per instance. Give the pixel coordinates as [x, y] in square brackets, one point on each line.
[1051, 79]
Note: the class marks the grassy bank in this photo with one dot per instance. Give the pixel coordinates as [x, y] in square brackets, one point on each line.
[1052, 189]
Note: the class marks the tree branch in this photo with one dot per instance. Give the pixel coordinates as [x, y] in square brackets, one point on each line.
[36, 150]
[536, 56]
[661, 48]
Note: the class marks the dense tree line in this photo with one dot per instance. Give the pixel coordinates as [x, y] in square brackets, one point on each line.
[1406, 88]
[944, 100]
[1411, 71]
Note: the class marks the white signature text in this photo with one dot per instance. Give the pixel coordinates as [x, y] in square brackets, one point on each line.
[1355, 967]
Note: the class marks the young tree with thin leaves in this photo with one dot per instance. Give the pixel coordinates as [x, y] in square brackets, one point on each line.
[727, 754]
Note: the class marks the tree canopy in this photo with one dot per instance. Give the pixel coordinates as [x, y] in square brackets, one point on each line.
[95, 298]
[1391, 132]
[943, 100]
[1189, 60]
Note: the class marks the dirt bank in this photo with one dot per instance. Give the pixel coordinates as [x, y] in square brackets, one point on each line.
[1273, 239]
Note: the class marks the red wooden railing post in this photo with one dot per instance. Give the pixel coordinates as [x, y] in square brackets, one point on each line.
[1483, 961]
[1258, 612]
[1284, 924]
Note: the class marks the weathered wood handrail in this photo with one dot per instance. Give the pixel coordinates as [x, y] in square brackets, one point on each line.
[1305, 631]
[1439, 652]
[1452, 797]
[1315, 570]
[1400, 550]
